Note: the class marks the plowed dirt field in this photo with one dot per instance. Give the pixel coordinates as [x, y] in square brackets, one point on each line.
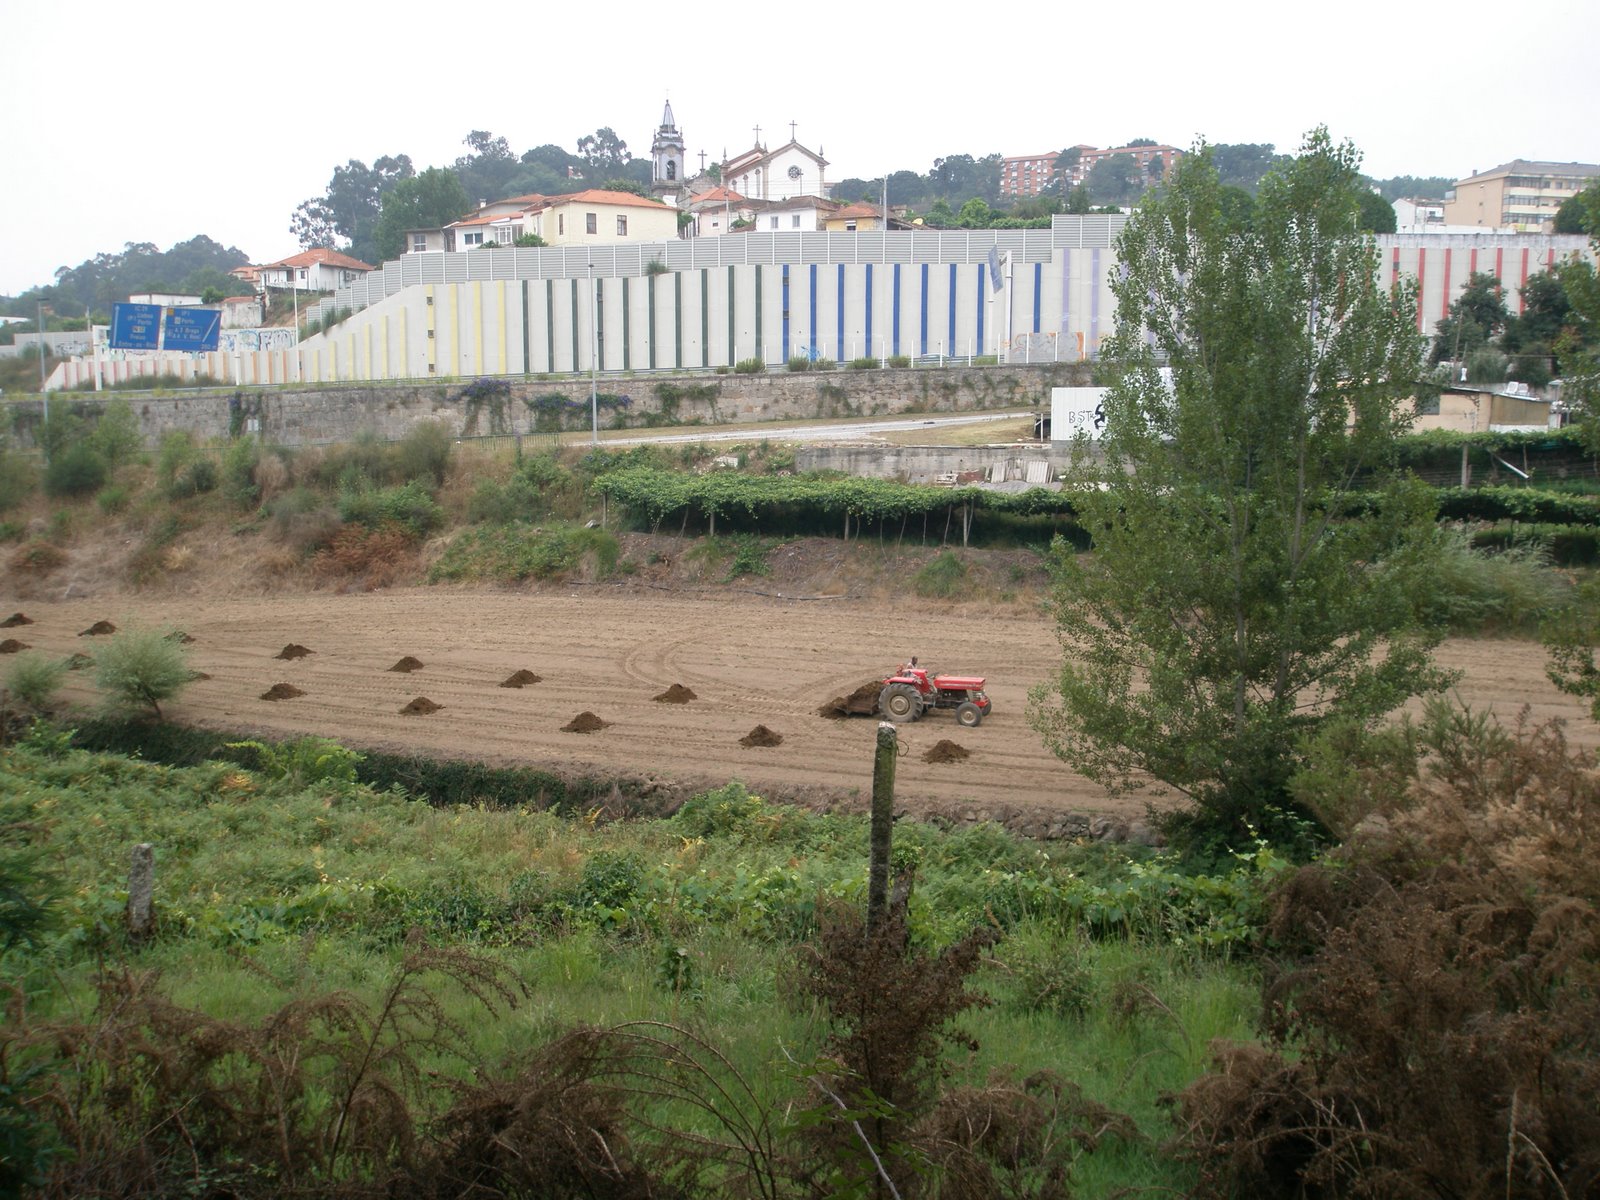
[748, 660]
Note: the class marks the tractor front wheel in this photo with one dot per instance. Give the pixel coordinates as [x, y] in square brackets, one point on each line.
[968, 715]
[900, 702]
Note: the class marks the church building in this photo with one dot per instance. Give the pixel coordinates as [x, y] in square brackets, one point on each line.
[666, 160]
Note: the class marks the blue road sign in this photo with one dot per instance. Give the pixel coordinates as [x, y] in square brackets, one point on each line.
[135, 326]
[192, 328]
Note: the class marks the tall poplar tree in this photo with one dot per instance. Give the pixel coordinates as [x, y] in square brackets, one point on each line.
[1236, 599]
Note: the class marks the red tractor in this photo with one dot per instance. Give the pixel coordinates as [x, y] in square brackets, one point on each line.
[909, 693]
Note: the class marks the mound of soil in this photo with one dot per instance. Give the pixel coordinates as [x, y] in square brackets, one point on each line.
[584, 722]
[197, 676]
[179, 636]
[676, 694]
[407, 664]
[292, 650]
[281, 691]
[863, 702]
[16, 619]
[11, 646]
[99, 629]
[519, 679]
[79, 661]
[761, 736]
[946, 751]
[421, 705]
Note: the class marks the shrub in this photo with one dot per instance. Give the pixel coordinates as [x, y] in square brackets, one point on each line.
[1451, 942]
[516, 551]
[900, 360]
[1512, 591]
[942, 577]
[18, 478]
[113, 499]
[424, 452]
[749, 366]
[176, 452]
[33, 680]
[410, 506]
[76, 471]
[116, 433]
[749, 556]
[139, 667]
[381, 555]
[239, 464]
[37, 555]
[823, 364]
[863, 364]
[195, 478]
[799, 363]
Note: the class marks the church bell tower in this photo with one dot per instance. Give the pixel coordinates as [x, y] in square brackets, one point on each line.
[666, 159]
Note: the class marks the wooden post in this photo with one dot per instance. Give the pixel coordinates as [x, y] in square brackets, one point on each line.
[141, 892]
[882, 844]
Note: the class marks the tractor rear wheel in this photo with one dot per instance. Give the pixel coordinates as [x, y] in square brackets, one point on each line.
[968, 715]
[900, 702]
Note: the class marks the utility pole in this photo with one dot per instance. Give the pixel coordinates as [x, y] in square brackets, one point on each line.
[594, 357]
[43, 394]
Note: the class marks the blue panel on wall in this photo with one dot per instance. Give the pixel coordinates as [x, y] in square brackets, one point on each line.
[924, 349]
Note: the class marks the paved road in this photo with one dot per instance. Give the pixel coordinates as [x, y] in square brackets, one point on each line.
[845, 431]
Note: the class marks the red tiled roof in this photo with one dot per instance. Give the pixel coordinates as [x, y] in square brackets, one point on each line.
[601, 196]
[718, 195]
[321, 254]
[858, 210]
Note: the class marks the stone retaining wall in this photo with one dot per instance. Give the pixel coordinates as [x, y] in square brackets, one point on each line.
[308, 416]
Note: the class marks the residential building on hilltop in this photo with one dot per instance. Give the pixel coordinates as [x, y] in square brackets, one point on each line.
[1024, 175]
[1155, 162]
[1522, 195]
[319, 269]
[582, 218]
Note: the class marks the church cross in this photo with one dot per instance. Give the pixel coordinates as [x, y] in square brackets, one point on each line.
[791, 131]
[758, 135]
[702, 162]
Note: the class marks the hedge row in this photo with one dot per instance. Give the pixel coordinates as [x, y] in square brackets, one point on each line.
[439, 781]
[1567, 545]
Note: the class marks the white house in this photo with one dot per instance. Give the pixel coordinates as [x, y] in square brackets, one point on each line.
[716, 211]
[804, 213]
[316, 270]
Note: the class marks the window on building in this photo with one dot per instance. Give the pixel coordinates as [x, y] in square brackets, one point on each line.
[419, 243]
[795, 221]
[774, 224]
[672, 169]
[561, 224]
[301, 273]
[474, 238]
[591, 223]
[622, 226]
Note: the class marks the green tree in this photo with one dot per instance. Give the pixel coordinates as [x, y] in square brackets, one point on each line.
[1476, 317]
[1572, 638]
[429, 200]
[1377, 214]
[1573, 215]
[1078, 200]
[487, 172]
[603, 153]
[975, 214]
[1113, 180]
[140, 668]
[1233, 604]
[1245, 164]
[1579, 341]
[350, 205]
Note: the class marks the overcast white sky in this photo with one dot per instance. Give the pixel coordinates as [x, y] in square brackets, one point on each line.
[156, 122]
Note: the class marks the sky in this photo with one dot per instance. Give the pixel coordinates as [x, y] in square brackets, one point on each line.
[155, 123]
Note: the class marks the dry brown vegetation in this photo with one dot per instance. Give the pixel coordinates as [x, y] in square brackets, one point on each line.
[1433, 1032]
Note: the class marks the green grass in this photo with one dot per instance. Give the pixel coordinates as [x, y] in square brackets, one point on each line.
[269, 892]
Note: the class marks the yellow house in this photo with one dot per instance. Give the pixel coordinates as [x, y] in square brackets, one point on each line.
[858, 218]
[1520, 195]
[1506, 408]
[601, 217]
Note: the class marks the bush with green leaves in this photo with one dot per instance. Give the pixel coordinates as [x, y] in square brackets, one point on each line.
[863, 364]
[239, 462]
[33, 679]
[798, 363]
[18, 478]
[141, 667]
[114, 499]
[176, 452]
[116, 434]
[411, 506]
[77, 470]
[1479, 591]
[749, 366]
[424, 453]
[942, 577]
[518, 551]
[196, 478]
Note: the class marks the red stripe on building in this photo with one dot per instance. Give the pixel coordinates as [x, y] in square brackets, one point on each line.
[1444, 292]
[1422, 282]
[1472, 263]
[1524, 282]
